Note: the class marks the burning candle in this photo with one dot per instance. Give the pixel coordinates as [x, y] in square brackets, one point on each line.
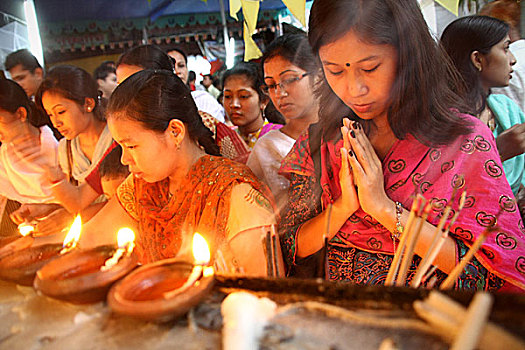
[126, 243]
[201, 268]
[25, 228]
[72, 237]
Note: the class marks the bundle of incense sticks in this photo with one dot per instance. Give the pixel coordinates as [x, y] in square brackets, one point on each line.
[272, 251]
[404, 253]
[466, 328]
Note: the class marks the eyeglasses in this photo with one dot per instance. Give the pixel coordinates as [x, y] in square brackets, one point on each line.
[284, 84]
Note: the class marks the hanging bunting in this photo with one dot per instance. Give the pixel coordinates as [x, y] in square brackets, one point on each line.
[250, 12]
[451, 5]
[298, 9]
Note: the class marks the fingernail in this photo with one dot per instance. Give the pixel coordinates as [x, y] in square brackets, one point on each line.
[352, 133]
[351, 153]
[355, 125]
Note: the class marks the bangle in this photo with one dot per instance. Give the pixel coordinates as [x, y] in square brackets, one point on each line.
[399, 228]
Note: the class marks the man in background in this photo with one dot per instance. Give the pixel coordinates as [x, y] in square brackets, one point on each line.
[106, 78]
[207, 82]
[25, 70]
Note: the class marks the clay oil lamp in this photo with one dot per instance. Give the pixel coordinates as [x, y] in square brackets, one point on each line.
[85, 275]
[11, 244]
[165, 289]
[21, 265]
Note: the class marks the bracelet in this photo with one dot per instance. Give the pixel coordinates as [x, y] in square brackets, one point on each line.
[399, 228]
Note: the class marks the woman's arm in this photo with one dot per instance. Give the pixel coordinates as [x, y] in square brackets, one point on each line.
[74, 198]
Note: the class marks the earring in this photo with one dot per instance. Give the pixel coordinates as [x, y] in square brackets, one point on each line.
[89, 109]
[263, 114]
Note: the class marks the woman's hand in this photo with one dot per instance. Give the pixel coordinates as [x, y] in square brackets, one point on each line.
[348, 199]
[367, 170]
[511, 142]
[29, 212]
[54, 223]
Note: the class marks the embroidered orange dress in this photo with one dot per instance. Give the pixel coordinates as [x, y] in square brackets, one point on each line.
[219, 198]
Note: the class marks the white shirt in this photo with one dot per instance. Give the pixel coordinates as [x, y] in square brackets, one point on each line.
[26, 181]
[516, 88]
[265, 161]
[206, 103]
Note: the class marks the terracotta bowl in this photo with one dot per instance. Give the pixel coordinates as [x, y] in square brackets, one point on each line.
[21, 265]
[9, 245]
[76, 277]
[141, 293]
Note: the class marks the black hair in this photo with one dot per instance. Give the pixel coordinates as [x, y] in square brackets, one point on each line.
[153, 98]
[253, 73]
[181, 52]
[111, 166]
[12, 97]
[147, 57]
[103, 71]
[422, 101]
[293, 47]
[464, 36]
[75, 84]
[191, 76]
[24, 58]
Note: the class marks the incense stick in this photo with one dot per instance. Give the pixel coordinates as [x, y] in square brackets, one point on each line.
[474, 321]
[269, 255]
[458, 269]
[275, 248]
[322, 261]
[399, 251]
[426, 261]
[439, 240]
[411, 244]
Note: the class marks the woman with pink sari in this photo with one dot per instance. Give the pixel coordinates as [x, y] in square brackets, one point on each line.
[406, 136]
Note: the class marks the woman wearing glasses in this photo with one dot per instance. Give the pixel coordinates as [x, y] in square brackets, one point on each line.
[246, 104]
[290, 69]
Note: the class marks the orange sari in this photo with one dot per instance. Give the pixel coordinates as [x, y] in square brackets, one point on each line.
[201, 204]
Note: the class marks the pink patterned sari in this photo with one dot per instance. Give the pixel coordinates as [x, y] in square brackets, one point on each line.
[470, 163]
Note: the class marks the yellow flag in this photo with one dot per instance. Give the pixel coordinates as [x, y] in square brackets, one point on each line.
[250, 11]
[298, 9]
[451, 5]
[251, 51]
[235, 6]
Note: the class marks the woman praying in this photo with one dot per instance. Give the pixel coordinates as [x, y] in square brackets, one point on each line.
[391, 128]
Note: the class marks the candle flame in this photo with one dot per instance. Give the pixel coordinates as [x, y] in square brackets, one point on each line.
[25, 229]
[125, 236]
[73, 235]
[201, 251]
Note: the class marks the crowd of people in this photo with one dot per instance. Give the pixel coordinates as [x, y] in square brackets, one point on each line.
[328, 137]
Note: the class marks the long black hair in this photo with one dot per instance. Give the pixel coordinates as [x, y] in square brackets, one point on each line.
[153, 98]
[421, 101]
[464, 36]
